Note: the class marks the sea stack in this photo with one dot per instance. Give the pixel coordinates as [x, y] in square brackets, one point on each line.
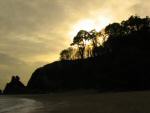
[15, 86]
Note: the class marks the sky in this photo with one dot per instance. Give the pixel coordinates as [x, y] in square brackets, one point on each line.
[33, 32]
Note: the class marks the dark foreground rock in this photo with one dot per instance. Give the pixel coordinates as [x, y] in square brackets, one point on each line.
[15, 86]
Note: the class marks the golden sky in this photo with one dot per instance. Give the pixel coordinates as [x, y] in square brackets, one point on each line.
[33, 32]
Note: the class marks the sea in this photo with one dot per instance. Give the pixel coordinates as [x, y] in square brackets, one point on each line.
[14, 104]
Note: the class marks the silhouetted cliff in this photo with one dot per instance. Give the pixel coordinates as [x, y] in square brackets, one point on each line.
[121, 64]
[15, 86]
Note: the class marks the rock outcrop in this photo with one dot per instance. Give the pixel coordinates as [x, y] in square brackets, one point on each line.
[15, 86]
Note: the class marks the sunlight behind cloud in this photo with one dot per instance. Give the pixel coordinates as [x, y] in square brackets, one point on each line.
[102, 22]
[97, 23]
[81, 25]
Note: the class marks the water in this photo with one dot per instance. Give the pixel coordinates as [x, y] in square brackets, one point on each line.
[18, 105]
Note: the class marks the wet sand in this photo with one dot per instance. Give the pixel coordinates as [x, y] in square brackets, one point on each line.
[92, 102]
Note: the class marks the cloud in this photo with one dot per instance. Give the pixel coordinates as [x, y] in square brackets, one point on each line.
[142, 8]
[27, 16]
[8, 60]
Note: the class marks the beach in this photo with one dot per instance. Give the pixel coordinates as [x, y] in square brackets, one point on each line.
[78, 102]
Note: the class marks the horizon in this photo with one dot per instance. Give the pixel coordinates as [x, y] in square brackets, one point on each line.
[34, 32]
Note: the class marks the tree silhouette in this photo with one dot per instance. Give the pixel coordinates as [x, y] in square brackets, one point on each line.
[80, 40]
[110, 38]
[114, 30]
[94, 35]
[66, 54]
[134, 24]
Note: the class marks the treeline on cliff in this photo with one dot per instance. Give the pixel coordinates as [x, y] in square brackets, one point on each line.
[115, 58]
[118, 57]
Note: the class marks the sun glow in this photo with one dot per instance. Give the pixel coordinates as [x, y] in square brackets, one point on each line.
[89, 24]
[81, 25]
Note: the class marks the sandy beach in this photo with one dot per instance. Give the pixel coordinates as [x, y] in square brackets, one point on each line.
[87, 102]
